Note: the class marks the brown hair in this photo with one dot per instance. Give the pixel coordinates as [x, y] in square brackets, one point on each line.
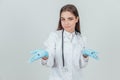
[71, 8]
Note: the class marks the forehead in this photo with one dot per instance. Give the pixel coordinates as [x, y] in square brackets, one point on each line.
[66, 14]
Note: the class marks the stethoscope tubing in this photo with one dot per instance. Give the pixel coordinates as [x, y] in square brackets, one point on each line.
[63, 48]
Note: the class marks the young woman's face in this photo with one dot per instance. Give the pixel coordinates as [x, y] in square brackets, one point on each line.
[68, 21]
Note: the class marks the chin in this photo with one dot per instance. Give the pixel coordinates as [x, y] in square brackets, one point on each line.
[68, 30]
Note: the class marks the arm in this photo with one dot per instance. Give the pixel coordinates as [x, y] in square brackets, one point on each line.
[46, 56]
[50, 48]
[83, 58]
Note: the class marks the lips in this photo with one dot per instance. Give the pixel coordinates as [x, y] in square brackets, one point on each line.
[67, 26]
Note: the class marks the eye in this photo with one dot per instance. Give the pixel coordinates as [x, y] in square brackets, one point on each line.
[62, 19]
[70, 18]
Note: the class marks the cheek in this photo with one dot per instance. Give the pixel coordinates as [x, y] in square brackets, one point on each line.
[73, 23]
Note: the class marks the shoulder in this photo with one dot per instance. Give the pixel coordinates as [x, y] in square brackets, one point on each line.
[55, 34]
[82, 37]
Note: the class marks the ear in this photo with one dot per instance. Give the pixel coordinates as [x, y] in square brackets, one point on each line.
[77, 19]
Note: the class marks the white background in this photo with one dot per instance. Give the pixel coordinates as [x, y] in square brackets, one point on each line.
[25, 24]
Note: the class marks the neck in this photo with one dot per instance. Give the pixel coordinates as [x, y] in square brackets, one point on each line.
[70, 31]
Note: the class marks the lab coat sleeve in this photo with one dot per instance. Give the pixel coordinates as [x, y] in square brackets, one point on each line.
[50, 48]
[83, 60]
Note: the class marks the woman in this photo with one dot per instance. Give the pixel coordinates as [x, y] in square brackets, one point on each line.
[64, 47]
[66, 64]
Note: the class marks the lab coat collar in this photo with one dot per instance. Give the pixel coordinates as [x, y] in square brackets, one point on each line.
[66, 33]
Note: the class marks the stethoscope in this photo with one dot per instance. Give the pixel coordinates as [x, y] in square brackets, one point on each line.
[63, 60]
[63, 48]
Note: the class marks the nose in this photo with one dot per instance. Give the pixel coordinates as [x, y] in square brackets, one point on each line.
[66, 22]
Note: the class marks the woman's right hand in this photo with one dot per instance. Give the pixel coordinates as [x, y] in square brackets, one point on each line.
[37, 54]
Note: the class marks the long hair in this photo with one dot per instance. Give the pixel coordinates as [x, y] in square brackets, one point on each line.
[71, 8]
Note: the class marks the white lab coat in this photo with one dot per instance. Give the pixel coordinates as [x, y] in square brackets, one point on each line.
[74, 60]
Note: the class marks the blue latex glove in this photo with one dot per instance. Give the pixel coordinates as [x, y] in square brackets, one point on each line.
[91, 53]
[37, 54]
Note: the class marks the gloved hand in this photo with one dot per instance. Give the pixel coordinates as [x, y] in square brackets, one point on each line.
[91, 53]
[37, 54]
